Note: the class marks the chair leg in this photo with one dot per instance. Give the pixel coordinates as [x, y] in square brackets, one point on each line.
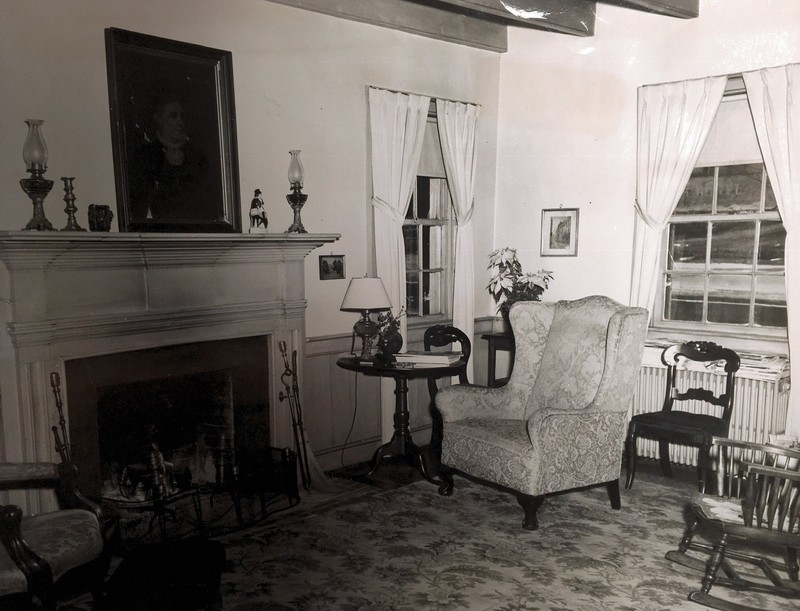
[792, 567]
[446, 475]
[702, 466]
[530, 504]
[663, 457]
[713, 566]
[613, 494]
[630, 453]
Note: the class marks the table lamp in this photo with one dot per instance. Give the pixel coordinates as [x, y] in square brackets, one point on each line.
[365, 295]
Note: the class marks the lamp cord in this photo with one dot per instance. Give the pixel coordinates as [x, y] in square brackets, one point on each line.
[353, 421]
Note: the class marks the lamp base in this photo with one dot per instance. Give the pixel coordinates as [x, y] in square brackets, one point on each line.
[296, 200]
[37, 189]
[367, 330]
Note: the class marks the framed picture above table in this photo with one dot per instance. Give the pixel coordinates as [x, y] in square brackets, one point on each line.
[559, 232]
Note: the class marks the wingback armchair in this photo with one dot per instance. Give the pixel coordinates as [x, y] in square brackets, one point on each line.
[560, 421]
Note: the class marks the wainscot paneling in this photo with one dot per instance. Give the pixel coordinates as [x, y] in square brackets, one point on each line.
[341, 409]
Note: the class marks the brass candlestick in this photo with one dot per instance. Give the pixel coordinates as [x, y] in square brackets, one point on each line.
[69, 197]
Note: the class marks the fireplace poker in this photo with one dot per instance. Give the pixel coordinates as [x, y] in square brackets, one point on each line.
[62, 447]
[296, 411]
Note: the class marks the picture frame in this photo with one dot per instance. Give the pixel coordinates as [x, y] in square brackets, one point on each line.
[559, 232]
[331, 267]
[173, 134]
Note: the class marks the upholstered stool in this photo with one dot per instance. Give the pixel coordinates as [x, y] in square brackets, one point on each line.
[171, 576]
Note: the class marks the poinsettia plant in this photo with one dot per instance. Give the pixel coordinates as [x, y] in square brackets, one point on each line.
[510, 284]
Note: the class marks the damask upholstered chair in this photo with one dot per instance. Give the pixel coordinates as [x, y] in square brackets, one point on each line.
[560, 421]
[40, 553]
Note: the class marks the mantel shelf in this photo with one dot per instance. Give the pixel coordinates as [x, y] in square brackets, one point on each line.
[46, 249]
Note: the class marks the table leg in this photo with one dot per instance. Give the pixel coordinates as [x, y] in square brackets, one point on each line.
[401, 443]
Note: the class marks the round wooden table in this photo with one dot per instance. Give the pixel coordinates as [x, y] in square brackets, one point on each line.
[401, 443]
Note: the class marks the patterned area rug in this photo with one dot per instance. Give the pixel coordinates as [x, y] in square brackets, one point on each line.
[411, 549]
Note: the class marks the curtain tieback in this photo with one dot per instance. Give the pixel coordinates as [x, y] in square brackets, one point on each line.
[463, 219]
[648, 220]
[383, 206]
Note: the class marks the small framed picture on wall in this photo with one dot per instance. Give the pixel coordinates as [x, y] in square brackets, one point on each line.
[331, 267]
[559, 232]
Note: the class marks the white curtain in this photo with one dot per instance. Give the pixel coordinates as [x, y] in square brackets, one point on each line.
[397, 125]
[774, 98]
[457, 122]
[674, 121]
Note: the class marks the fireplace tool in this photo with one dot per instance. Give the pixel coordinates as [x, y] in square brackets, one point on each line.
[62, 447]
[289, 380]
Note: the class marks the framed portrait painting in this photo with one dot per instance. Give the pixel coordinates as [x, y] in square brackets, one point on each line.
[173, 132]
[331, 267]
[559, 232]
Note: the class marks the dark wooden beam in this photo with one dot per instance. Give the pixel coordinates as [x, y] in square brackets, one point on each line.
[685, 9]
[415, 18]
[574, 17]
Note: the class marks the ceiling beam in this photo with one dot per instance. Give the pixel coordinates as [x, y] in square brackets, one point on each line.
[415, 18]
[574, 17]
[685, 9]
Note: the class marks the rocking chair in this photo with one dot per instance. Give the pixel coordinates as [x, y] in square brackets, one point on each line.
[757, 509]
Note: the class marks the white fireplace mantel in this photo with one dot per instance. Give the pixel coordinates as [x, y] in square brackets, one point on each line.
[68, 295]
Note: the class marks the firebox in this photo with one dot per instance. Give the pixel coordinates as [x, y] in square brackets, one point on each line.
[204, 407]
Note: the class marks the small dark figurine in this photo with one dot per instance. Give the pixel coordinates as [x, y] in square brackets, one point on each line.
[258, 215]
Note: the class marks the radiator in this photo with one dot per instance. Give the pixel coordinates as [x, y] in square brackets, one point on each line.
[761, 398]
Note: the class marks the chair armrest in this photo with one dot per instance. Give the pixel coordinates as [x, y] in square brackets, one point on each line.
[37, 571]
[771, 472]
[466, 401]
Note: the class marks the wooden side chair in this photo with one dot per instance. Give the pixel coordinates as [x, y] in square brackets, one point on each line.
[671, 425]
[752, 521]
[441, 336]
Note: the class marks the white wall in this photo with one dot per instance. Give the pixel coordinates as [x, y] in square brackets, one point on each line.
[300, 82]
[567, 122]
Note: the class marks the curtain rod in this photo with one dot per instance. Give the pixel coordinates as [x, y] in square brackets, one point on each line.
[433, 97]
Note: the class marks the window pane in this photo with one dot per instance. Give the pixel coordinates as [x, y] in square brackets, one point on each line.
[769, 196]
[699, 193]
[729, 299]
[771, 245]
[732, 243]
[431, 295]
[412, 294]
[411, 242]
[739, 188]
[684, 297]
[423, 196]
[687, 245]
[770, 301]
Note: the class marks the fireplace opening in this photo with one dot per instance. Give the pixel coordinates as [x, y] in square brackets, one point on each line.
[184, 426]
[201, 408]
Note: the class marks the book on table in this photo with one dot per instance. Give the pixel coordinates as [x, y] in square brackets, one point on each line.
[420, 357]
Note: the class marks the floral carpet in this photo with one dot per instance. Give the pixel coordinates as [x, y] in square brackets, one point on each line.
[412, 549]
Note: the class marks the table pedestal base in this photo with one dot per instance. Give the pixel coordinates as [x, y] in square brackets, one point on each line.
[401, 444]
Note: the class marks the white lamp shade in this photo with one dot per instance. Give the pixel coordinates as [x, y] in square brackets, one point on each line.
[366, 294]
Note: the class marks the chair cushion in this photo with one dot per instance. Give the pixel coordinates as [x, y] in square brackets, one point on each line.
[496, 450]
[718, 508]
[572, 367]
[65, 539]
[686, 425]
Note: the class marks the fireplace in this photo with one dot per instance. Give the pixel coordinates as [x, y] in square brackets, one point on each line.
[83, 301]
[205, 405]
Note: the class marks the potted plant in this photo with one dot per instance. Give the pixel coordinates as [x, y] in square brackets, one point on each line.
[510, 284]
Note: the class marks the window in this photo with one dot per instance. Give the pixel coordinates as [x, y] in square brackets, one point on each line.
[429, 232]
[724, 263]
